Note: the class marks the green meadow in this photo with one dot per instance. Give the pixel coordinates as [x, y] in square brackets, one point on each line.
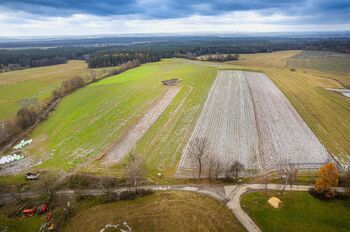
[90, 119]
[299, 212]
[34, 83]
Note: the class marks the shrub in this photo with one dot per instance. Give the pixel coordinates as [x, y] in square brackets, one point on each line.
[329, 178]
[81, 181]
[26, 117]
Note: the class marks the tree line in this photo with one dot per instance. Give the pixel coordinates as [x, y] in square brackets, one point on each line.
[219, 57]
[116, 58]
[102, 55]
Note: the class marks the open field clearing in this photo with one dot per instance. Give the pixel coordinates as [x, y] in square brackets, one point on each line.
[16, 86]
[36, 83]
[166, 211]
[274, 59]
[132, 136]
[299, 212]
[88, 121]
[322, 61]
[247, 119]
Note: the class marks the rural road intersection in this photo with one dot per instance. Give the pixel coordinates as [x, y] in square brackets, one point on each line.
[228, 194]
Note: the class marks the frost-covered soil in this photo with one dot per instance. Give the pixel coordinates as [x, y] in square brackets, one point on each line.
[246, 118]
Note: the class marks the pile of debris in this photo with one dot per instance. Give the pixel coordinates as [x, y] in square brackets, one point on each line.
[32, 175]
[171, 82]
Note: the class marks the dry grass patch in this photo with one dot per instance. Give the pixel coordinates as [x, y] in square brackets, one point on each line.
[161, 211]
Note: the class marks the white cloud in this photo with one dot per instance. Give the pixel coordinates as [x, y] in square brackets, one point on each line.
[26, 24]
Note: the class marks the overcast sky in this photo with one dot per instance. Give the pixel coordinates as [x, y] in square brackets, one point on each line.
[91, 17]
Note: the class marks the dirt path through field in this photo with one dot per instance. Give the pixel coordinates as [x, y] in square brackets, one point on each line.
[136, 132]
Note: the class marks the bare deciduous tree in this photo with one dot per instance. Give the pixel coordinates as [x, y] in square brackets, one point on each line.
[265, 181]
[236, 169]
[49, 185]
[197, 149]
[106, 186]
[213, 167]
[287, 173]
[135, 170]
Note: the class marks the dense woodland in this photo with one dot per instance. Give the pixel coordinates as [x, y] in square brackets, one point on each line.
[103, 52]
[116, 58]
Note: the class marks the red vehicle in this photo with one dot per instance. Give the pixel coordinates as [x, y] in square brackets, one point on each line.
[29, 212]
[41, 209]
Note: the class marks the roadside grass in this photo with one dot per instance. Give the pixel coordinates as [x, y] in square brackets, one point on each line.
[19, 224]
[92, 118]
[299, 212]
[12, 179]
[160, 211]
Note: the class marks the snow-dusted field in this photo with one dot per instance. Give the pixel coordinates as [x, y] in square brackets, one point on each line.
[246, 118]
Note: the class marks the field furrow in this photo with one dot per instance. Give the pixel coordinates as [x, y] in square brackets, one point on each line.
[246, 118]
[228, 122]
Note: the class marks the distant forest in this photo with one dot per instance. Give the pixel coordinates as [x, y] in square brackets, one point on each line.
[114, 51]
[116, 58]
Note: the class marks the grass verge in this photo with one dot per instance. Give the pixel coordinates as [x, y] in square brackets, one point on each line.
[299, 212]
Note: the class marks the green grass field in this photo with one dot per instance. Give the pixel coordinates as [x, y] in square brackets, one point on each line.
[161, 211]
[322, 61]
[19, 224]
[35, 83]
[299, 212]
[275, 59]
[38, 83]
[89, 120]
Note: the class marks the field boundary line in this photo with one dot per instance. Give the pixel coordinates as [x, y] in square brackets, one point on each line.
[135, 121]
[140, 128]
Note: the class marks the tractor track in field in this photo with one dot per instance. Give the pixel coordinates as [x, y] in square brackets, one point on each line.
[126, 143]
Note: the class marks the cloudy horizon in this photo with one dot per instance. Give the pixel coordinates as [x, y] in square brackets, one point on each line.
[63, 17]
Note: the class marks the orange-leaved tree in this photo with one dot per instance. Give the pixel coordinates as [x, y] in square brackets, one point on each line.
[328, 178]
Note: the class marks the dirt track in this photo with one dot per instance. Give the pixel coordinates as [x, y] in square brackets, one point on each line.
[135, 133]
[246, 118]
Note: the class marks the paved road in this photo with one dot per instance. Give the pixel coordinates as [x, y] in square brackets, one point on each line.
[229, 194]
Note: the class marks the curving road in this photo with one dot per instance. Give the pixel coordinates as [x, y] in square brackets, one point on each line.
[229, 194]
